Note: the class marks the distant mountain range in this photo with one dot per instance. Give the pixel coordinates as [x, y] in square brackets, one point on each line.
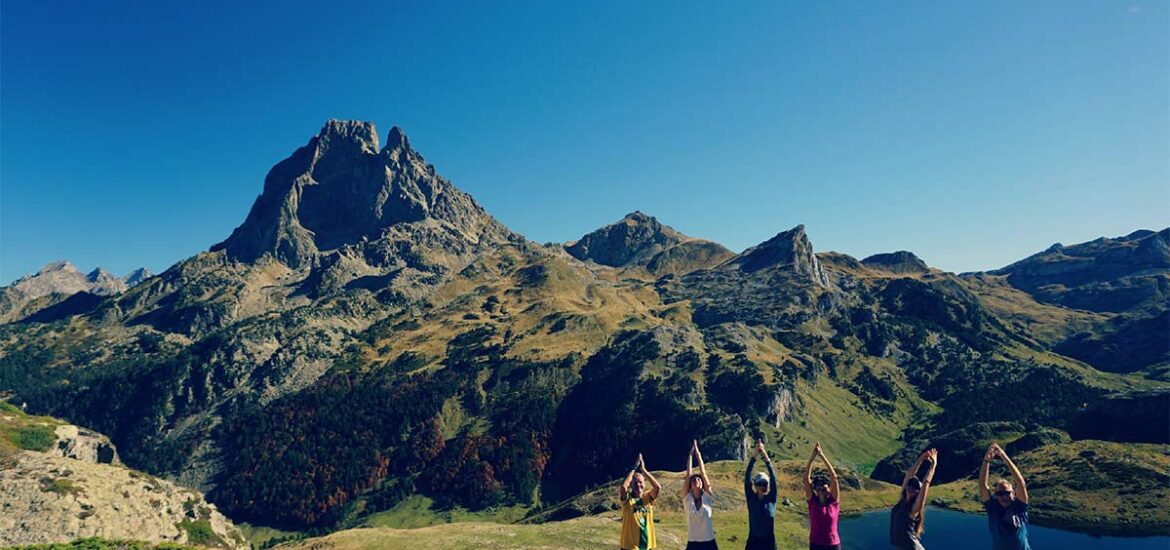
[58, 281]
[370, 332]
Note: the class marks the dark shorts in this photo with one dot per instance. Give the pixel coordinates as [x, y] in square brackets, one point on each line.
[702, 545]
[812, 546]
[760, 543]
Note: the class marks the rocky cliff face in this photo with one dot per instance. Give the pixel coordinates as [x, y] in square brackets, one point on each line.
[790, 250]
[85, 445]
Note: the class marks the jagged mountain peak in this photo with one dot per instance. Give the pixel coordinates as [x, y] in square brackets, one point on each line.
[99, 275]
[340, 189]
[137, 276]
[791, 249]
[350, 131]
[59, 265]
[396, 139]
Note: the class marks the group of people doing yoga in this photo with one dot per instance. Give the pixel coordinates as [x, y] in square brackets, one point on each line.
[1006, 504]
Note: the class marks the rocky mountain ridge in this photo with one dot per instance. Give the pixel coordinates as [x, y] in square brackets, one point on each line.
[56, 282]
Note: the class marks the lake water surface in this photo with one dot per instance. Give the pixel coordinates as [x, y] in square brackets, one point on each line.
[950, 530]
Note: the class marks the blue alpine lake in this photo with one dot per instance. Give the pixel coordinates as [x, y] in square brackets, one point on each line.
[951, 530]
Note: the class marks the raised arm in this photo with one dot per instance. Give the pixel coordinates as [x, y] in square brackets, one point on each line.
[771, 474]
[655, 487]
[984, 490]
[1018, 478]
[624, 490]
[931, 457]
[834, 483]
[913, 471]
[703, 471]
[747, 477]
[686, 488]
[807, 481]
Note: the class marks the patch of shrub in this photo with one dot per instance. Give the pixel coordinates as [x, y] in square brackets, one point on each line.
[199, 532]
[59, 486]
[38, 438]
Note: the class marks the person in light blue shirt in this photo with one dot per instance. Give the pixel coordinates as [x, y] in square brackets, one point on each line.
[1007, 507]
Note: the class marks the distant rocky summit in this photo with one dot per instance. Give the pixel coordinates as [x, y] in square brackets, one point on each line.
[901, 262]
[57, 281]
[137, 276]
[641, 240]
[1105, 275]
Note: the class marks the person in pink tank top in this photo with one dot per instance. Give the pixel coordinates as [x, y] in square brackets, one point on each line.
[822, 493]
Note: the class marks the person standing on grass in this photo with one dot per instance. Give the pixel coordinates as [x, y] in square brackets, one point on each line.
[638, 507]
[822, 495]
[760, 491]
[1007, 508]
[697, 501]
[908, 516]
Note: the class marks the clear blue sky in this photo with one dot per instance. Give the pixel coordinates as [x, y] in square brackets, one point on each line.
[972, 133]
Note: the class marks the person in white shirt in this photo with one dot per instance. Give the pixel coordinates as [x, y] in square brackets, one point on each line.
[697, 500]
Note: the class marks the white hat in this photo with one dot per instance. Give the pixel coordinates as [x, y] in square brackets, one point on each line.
[760, 478]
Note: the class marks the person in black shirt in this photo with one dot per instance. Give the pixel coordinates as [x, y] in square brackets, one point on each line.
[907, 517]
[760, 491]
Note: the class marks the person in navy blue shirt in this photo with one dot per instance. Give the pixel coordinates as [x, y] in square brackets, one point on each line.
[760, 491]
[1007, 506]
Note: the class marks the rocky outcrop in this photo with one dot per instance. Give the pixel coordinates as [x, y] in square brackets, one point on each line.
[901, 262]
[53, 499]
[782, 407]
[790, 250]
[60, 482]
[84, 445]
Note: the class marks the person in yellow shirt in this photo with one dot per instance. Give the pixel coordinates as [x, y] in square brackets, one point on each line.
[638, 507]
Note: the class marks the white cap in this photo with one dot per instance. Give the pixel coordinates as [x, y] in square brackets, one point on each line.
[760, 478]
